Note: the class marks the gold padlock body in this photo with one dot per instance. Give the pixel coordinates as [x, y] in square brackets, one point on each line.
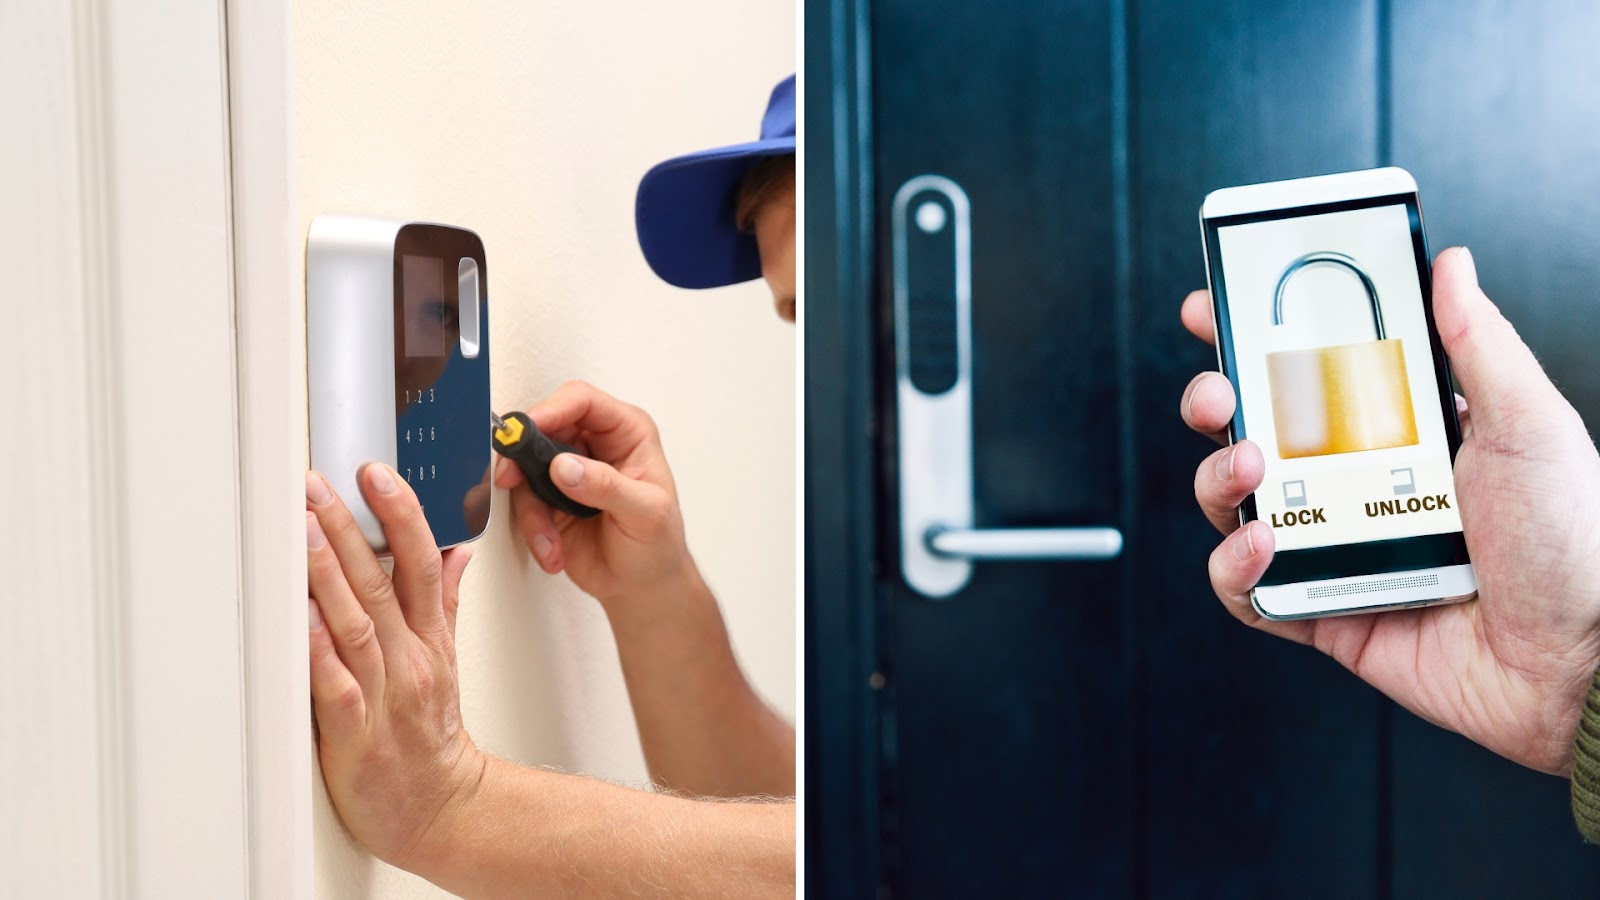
[1341, 399]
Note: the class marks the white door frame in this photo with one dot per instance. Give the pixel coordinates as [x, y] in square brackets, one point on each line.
[269, 291]
[153, 675]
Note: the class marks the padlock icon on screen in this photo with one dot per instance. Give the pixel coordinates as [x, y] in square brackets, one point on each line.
[1339, 399]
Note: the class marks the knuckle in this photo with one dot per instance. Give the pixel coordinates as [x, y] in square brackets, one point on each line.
[347, 698]
[376, 589]
[431, 566]
[324, 565]
[607, 479]
[657, 514]
[1220, 580]
[403, 512]
[335, 519]
[360, 638]
[646, 421]
[322, 654]
[575, 388]
[525, 511]
[425, 679]
[1214, 563]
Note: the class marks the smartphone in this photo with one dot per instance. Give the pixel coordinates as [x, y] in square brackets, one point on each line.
[1322, 294]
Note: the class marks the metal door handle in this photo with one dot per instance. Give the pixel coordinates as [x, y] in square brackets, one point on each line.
[931, 230]
[1092, 542]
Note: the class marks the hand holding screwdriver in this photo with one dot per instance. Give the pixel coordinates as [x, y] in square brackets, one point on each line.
[633, 556]
[517, 439]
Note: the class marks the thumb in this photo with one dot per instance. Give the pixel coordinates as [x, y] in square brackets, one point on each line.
[1497, 372]
[639, 507]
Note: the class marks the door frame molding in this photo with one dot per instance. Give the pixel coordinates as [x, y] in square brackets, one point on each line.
[157, 656]
[843, 679]
[269, 294]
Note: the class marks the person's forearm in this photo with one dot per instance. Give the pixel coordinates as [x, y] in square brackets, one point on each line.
[705, 731]
[520, 832]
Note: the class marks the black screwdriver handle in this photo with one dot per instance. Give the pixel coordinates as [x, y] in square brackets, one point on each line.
[532, 451]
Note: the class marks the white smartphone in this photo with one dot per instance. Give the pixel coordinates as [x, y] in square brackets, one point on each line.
[1322, 295]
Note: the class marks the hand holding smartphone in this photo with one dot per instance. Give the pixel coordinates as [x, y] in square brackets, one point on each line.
[1511, 669]
[1321, 293]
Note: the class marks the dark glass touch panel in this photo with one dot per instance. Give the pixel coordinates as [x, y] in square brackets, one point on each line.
[441, 397]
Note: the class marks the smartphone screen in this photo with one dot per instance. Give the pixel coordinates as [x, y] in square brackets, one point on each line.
[1325, 327]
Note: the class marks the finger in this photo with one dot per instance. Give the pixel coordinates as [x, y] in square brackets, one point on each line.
[536, 523]
[336, 696]
[417, 564]
[362, 571]
[454, 566]
[1463, 416]
[1224, 479]
[1198, 317]
[640, 508]
[1208, 405]
[507, 474]
[478, 502]
[350, 628]
[1236, 566]
[612, 428]
[1496, 370]
[1238, 563]
[578, 404]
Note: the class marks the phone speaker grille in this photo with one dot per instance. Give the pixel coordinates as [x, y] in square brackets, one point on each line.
[1367, 587]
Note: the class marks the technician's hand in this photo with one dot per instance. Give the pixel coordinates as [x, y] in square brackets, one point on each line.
[1510, 669]
[636, 545]
[396, 759]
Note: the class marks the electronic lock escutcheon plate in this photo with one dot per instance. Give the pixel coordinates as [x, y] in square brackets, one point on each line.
[932, 245]
[397, 353]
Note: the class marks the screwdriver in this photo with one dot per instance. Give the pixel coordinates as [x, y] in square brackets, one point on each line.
[517, 439]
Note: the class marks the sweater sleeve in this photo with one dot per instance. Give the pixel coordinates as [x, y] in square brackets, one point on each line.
[1586, 766]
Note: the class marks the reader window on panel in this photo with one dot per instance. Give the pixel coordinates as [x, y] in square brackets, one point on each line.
[431, 325]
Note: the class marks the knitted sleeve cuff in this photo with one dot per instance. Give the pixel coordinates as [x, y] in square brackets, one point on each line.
[1586, 766]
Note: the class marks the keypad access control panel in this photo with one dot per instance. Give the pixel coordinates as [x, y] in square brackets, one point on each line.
[442, 377]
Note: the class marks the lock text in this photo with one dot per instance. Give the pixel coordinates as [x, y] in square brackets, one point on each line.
[1298, 517]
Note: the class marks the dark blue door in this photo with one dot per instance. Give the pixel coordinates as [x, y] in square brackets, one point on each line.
[1099, 727]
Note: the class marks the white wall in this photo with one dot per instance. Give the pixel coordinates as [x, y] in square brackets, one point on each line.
[531, 123]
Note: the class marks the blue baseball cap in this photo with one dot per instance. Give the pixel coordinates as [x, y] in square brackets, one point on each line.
[685, 207]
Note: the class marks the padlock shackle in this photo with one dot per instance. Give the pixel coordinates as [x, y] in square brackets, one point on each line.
[1328, 258]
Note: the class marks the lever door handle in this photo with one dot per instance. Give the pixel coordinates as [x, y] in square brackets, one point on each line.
[931, 231]
[1093, 542]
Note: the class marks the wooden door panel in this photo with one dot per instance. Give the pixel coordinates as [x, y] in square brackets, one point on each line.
[1262, 758]
[1495, 113]
[1008, 772]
